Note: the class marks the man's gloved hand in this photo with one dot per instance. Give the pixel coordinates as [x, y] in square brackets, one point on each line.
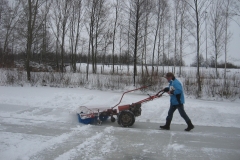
[166, 89]
[171, 90]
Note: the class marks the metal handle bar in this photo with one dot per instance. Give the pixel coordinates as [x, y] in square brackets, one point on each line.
[128, 92]
[150, 98]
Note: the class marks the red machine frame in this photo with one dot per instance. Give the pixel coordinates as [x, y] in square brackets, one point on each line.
[125, 113]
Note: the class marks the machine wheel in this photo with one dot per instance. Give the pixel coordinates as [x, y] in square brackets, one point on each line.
[103, 116]
[126, 118]
[118, 120]
[113, 119]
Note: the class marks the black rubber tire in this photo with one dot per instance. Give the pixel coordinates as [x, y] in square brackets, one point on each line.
[103, 116]
[126, 118]
[113, 119]
[118, 120]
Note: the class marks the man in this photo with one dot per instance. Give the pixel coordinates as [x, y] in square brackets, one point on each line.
[175, 90]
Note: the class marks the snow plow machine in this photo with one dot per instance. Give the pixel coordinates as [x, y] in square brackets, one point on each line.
[125, 113]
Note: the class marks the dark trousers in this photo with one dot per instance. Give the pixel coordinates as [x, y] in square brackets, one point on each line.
[181, 110]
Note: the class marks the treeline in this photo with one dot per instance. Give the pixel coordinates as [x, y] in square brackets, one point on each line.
[211, 63]
[49, 58]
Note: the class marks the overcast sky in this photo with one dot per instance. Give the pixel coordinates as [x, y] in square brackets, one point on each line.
[233, 47]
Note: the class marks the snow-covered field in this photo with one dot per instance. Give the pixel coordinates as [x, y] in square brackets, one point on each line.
[41, 123]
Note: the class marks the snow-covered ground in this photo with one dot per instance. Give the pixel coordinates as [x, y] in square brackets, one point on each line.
[41, 123]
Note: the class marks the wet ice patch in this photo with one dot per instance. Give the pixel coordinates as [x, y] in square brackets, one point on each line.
[20, 145]
[138, 144]
[175, 147]
[12, 108]
[221, 153]
[109, 129]
[100, 142]
[172, 149]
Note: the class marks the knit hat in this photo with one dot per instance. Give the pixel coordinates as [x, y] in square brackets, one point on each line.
[169, 74]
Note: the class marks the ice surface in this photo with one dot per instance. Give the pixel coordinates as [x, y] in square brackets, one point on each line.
[41, 123]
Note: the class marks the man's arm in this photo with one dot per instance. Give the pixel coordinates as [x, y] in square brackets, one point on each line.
[177, 88]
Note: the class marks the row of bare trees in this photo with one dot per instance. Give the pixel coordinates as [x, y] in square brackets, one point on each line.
[148, 31]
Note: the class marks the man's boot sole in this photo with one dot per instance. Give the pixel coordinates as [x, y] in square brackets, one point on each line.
[162, 128]
[189, 129]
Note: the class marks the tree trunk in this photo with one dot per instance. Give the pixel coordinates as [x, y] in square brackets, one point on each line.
[136, 42]
[155, 39]
[198, 49]
[30, 29]
[78, 34]
[175, 34]
[226, 42]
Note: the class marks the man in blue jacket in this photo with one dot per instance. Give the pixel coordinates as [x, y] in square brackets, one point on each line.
[175, 90]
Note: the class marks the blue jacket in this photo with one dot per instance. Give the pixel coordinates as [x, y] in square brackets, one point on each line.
[177, 96]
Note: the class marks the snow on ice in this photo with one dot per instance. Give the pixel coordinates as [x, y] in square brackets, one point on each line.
[41, 123]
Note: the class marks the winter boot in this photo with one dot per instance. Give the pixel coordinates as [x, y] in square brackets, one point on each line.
[190, 126]
[166, 126]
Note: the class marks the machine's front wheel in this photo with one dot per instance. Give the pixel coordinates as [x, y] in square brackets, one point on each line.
[103, 116]
[126, 118]
[113, 119]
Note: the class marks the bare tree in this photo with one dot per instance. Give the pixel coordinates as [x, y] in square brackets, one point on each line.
[97, 15]
[156, 35]
[235, 8]
[34, 22]
[8, 20]
[129, 36]
[198, 8]
[44, 31]
[227, 15]
[32, 14]
[180, 36]
[226, 38]
[59, 24]
[107, 42]
[165, 29]
[217, 30]
[183, 35]
[176, 28]
[169, 44]
[138, 12]
[2, 5]
[116, 6]
[75, 27]
[135, 31]
[148, 10]
[137, 5]
[55, 26]
[164, 18]
[121, 45]
[65, 11]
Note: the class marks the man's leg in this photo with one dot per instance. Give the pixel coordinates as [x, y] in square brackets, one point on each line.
[185, 117]
[169, 117]
[183, 113]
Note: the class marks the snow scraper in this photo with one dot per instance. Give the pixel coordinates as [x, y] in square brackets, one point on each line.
[125, 113]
